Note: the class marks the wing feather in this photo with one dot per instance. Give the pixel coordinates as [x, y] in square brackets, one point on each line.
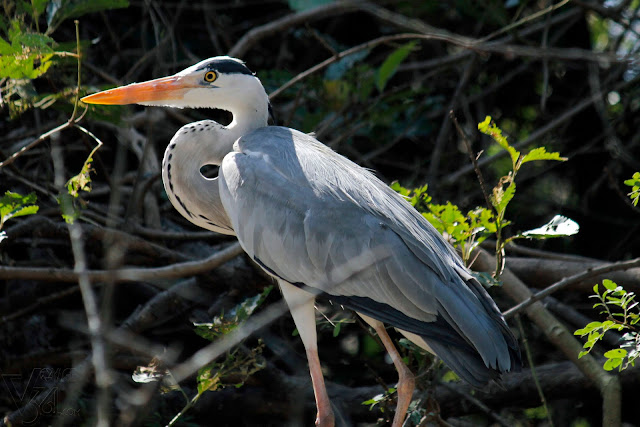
[313, 218]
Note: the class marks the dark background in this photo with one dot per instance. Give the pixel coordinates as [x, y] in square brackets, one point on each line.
[403, 133]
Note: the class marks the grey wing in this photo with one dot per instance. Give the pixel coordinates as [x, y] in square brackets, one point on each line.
[316, 220]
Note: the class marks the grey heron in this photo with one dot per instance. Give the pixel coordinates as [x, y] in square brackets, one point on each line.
[322, 226]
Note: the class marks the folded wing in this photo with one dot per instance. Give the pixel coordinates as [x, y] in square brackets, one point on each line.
[314, 219]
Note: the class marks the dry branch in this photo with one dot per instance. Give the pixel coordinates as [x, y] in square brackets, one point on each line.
[562, 338]
[542, 273]
[173, 271]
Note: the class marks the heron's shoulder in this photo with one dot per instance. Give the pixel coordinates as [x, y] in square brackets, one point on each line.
[278, 139]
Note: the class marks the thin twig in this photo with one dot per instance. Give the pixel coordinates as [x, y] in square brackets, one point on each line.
[532, 366]
[538, 133]
[474, 162]
[590, 272]
[529, 18]
[443, 133]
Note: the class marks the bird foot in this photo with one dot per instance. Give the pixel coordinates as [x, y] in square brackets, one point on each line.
[325, 420]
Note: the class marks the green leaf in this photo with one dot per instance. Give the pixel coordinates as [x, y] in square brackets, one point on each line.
[501, 197]
[39, 6]
[208, 379]
[611, 364]
[13, 205]
[506, 197]
[609, 284]
[588, 328]
[7, 49]
[336, 329]
[559, 226]
[489, 128]
[374, 400]
[541, 153]
[68, 208]
[634, 183]
[390, 65]
[486, 279]
[635, 180]
[25, 55]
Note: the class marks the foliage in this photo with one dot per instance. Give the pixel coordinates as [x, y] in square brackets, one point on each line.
[634, 183]
[13, 205]
[464, 232]
[390, 65]
[379, 398]
[71, 205]
[622, 314]
[225, 323]
[27, 53]
[383, 112]
[232, 372]
[504, 191]
[238, 364]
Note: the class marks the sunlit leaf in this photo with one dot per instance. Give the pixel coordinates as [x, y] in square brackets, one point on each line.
[13, 205]
[634, 183]
[588, 328]
[609, 284]
[541, 153]
[611, 364]
[489, 128]
[559, 226]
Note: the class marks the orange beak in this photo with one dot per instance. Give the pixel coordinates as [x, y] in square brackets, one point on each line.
[162, 89]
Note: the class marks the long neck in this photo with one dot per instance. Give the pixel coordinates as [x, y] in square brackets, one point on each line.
[197, 144]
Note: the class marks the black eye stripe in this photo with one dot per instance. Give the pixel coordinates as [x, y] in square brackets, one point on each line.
[227, 66]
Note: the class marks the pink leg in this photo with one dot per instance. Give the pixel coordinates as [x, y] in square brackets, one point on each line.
[301, 305]
[325, 416]
[406, 382]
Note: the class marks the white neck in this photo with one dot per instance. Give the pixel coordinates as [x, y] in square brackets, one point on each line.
[206, 142]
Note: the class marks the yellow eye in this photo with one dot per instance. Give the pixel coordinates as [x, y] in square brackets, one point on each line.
[210, 76]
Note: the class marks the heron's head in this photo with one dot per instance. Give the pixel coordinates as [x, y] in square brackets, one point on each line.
[220, 82]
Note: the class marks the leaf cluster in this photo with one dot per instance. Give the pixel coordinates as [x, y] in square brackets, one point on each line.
[237, 367]
[27, 52]
[13, 205]
[227, 322]
[71, 205]
[505, 190]
[466, 232]
[634, 183]
[621, 310]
